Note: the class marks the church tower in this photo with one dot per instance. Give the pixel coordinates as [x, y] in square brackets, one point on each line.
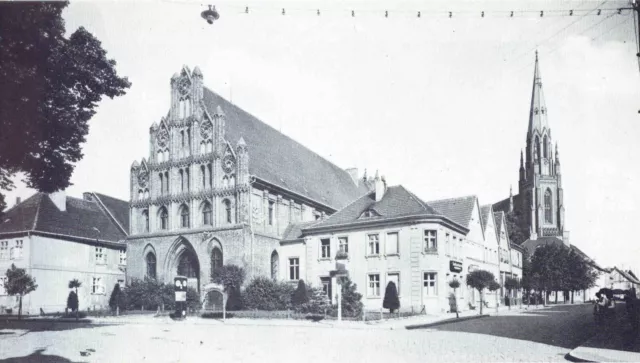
[540, 185]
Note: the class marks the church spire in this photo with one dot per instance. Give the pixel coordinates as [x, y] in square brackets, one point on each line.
[538, 110]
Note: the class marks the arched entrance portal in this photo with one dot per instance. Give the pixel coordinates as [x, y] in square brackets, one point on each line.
[182, 260]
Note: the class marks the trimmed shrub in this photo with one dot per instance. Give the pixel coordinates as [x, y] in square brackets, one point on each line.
[265, 294]
[193, 299]
[391, 300]
[117, 298]
[147, 294]
[300, 296]
[235, 300]
[72, 301]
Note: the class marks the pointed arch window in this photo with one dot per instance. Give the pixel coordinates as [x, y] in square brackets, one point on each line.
[182, 138]
[545, 147]
[232, 181]
[145, 219]
[225, 182]
[181, 180]
[207, 214]
[166, 181]
[203, 174]
[184, 216]
[161, 176]
[216, 259]
[537, 149]
[227, 207]
[160, 155]
[275, 259]
[151, 265]
[548, 215]
[164, 218]
[210, 170]
[203, 148]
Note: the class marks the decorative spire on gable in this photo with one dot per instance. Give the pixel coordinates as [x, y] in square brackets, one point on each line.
[538, 110]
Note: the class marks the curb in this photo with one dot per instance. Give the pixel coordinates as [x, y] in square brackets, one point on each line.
[572, 358]
[45, 320]
[446, 321]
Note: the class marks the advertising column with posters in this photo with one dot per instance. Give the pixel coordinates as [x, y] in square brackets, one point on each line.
[180, 284]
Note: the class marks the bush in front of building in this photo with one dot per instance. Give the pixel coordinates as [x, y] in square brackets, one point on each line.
[147, 294]
[193, 299]
[117, 301]
[391, 300]
[351, 300]
[300, 296]
[231, 277]
[317, 302]
[265, 294]
[72, 301]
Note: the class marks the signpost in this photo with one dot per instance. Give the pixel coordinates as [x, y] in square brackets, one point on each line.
[180, 283]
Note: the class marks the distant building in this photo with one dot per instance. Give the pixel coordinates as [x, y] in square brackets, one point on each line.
[220, 186]
[57, 239]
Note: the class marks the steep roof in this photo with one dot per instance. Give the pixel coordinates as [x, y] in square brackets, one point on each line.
[21, 217]
[537, 112]
[497, 218]
[485, 210]
[396, 202]
[458, 210]
[39, 214]
[119, 209]
[280, 160]
[503, 205]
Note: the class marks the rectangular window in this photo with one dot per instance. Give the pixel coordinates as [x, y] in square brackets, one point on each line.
[101, 256]
[97, 286]
[294, 269]
[395, 278]
[271, 204]
[326, 286]
[123, 257]
[447, 244]
[343, 244]
[392, 243]
[455, 247]
[430, 240]
[325, 248]
[430, 283]
[374, 245]
[374, 285]
[3, 284]
[4, 250]
[16, 251]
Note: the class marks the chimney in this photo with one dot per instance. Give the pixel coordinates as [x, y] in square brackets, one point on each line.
[59, 198]
[353, 173]
[379, 187]
[87, 196]
[18, 200]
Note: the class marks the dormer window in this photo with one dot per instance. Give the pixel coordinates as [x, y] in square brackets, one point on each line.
[369, 213]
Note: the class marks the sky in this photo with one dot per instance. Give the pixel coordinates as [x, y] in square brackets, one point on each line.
[437, 104]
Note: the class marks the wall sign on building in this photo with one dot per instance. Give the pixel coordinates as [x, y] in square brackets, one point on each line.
[455, 266]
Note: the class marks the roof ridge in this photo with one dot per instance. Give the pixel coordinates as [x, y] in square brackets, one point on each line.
[21, 202]
[105, 209]
[420, 201]
[35, 219]
[452, 198]
[275, 130]
[345, 207]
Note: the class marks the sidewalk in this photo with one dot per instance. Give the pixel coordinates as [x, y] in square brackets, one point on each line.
[418, 321]
[615, 343]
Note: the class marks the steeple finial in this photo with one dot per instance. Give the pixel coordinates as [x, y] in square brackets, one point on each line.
[538, 111]
[521, 159]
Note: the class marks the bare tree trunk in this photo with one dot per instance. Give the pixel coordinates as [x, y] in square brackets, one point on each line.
[20, 309]
[481, 302]
[572, 296]
[556, 297]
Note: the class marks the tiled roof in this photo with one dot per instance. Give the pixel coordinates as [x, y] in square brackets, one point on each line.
[22, 216]
[627, 275]
[119, 209]
[497, 218]
[280, 160]
[294, 230]
[40, 214]
[457, 209]
[485, 210]
[396, 202]
[531, 245]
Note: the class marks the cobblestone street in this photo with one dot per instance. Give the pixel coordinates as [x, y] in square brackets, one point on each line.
[538, 335]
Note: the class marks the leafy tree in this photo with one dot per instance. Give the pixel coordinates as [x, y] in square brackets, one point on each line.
[516, 226]
[232, 278]
[51, 86]
[300, 296]
[19, 283]
[480, 280]
[3, 204]
[391, 300]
